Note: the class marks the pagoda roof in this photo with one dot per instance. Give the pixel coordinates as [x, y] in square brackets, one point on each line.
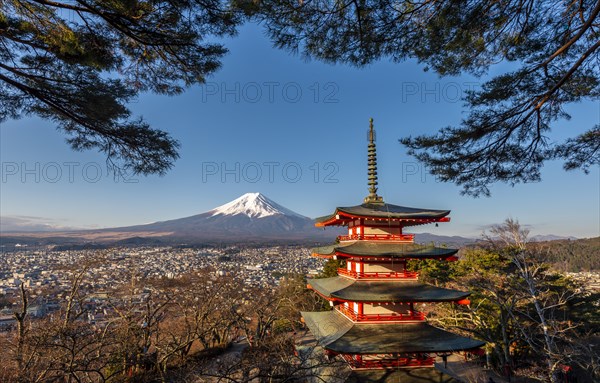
[351, 290]
[337, 333]
[403, 375]
[385, 249]
[380, 210]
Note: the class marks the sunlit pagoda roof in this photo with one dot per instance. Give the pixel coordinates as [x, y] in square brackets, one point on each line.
[384, 249]
[338, 334]
[383, 291]
[383, 210]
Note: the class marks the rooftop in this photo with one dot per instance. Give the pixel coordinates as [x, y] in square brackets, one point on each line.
[384, 249]
[383, 291]
[342, 215]
[338, 334]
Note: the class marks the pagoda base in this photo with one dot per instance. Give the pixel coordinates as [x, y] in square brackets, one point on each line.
[382, 362]
[404, 375]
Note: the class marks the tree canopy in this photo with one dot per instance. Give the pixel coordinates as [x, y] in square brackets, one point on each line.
[79, 62]
[534, 319]
[504, 137]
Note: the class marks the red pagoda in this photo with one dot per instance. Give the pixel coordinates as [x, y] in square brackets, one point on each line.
[374, 324]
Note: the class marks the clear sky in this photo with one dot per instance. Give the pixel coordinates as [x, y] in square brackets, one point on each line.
[271, 122]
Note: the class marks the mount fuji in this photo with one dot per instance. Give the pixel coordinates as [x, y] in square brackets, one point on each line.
[252, 217]
[253, 205]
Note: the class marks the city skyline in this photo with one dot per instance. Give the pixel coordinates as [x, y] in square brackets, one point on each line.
[272, 123]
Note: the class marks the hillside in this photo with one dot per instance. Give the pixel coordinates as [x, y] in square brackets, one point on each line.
[572, 255]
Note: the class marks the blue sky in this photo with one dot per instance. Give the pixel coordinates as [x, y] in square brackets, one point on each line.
[294, 130]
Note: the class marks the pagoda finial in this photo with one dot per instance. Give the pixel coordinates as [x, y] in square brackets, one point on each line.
[372, 198]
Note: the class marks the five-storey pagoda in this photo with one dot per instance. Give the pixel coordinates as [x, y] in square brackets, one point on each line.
[375, 325]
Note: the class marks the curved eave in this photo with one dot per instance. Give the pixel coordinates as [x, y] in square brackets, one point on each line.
[383, 250]
[323, 251]
[342, 220]
[335, 219]
[338, 334]
[408, 215]
[349, 290]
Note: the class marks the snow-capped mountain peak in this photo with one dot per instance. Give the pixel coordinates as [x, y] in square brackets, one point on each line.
[253, 205]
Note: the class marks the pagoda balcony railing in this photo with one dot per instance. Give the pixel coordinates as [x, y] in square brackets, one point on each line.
[388, 363]
[392, 317]
[379, 275]
[379, 237]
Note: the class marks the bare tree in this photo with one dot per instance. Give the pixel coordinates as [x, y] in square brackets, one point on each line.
[20, 317]
[545, 297]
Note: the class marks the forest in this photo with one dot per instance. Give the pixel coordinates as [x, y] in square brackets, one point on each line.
[572, 255]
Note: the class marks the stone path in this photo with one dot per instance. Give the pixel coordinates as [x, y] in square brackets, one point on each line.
[469, 372]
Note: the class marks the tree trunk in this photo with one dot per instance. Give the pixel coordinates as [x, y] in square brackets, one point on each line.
[20, 317]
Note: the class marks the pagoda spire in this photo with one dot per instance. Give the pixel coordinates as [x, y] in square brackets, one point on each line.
[372, 198]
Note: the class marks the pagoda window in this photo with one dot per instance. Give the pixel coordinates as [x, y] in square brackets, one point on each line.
[382, 230]
[384, 267]
[371, 357]
[389, 309]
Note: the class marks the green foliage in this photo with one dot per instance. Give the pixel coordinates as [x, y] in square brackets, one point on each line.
[331, 267]
[433, 271]
[503, 138]
[527, 312]
[482, 262]
[584, 310]
[79, 64]
[282, 326]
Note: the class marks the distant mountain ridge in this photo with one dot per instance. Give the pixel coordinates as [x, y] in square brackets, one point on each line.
[550, 237]
[251, 218]
[451, 241]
